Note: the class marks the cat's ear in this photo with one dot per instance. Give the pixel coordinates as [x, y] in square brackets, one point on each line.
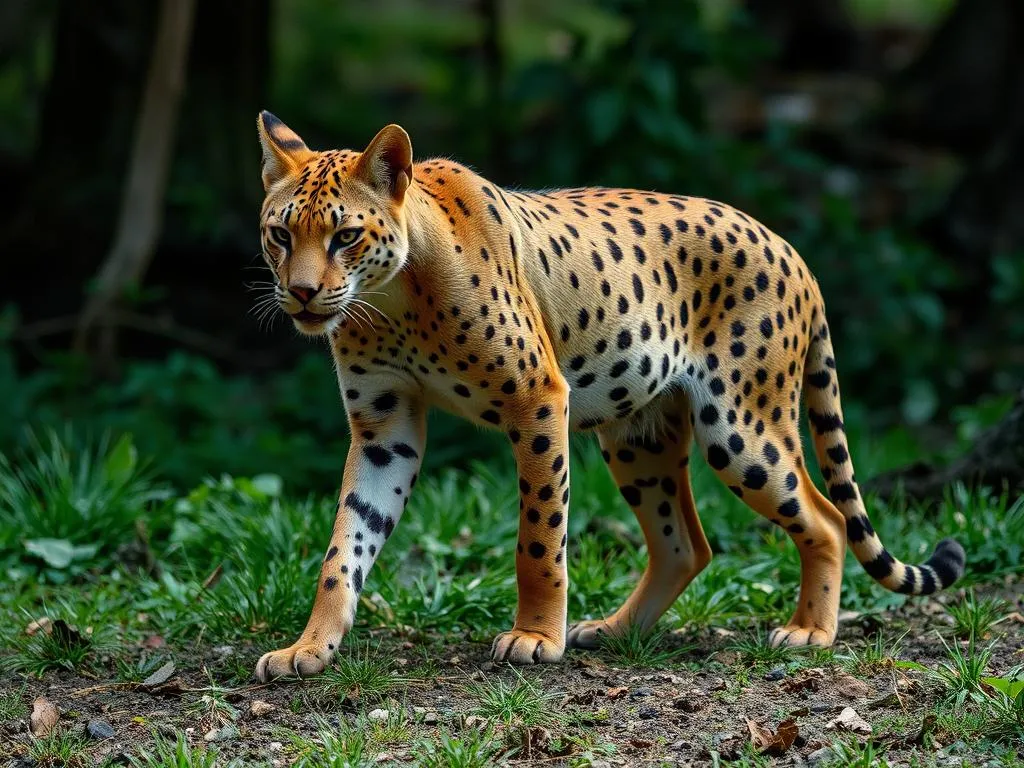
[386, 163]
[283, 150]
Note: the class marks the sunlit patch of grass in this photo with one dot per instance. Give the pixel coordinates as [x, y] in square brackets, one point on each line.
[470, 749]
[178, 754]
[331, 746]
[636, 648]
[518, 701]
[363, 672]
[60, 748]
[975, 618]
[754, 650]
[960, 674]
[712, 598]
[881, 653]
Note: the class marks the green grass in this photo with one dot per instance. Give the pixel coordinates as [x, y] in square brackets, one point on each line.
[471, 749]
[362, 672]
[880, 653]
[178, 754]
[331, 746]
[60, 747]
[515, 701]
[233, 561]
[975, 618]
[637, 649]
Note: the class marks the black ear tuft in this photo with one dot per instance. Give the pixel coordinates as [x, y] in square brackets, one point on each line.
[283, 149]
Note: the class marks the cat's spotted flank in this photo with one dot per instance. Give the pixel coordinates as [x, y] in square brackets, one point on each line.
[654, 320]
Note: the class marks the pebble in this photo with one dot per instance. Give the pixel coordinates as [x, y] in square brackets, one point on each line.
[99, 729]
[639, 693]
[275, 746]
[226, 733]
[260, 708]
[648, 713]
[776, 674]
[719, 737]
[378, 714]
[820, 755]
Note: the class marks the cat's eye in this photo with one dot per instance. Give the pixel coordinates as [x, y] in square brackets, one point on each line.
[281, 236]
[345, 237]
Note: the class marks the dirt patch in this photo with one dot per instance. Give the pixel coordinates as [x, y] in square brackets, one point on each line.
[712, 703]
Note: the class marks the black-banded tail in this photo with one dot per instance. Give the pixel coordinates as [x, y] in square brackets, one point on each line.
[821, 390]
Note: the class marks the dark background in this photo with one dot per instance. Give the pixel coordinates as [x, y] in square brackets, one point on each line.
[885, 140]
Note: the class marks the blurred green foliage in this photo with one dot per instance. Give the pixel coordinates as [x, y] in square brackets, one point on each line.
[578, 92]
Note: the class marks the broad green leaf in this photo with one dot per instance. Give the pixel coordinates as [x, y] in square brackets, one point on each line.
[120, 463]
[59, 553]
[1011, 688]
[268, 484]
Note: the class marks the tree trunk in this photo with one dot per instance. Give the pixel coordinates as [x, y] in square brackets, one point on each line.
[142, 204]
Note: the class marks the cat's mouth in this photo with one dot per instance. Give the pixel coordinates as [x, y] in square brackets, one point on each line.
[312, 318]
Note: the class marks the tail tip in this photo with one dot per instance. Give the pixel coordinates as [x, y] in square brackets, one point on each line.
[948, 561]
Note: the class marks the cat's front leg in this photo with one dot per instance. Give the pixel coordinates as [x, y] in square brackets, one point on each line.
[388, 439]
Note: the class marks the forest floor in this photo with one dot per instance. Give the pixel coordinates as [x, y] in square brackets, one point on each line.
[136, 644]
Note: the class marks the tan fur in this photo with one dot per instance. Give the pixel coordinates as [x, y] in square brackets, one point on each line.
[646, 317]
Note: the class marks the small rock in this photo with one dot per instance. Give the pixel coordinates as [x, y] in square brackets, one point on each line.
[721, 736]
[275, 746]
[454, 660]
[260, 708]
[717, 684]
[820, 755]
[430, 718]
[690, 702]
[99, 729]
[640, 693]
[159, 677]
[648, 713]
[223, 650]
[475, 721]
[378, 715]
[225, 733]
[820, 709]
[776, 674]
[682, 745]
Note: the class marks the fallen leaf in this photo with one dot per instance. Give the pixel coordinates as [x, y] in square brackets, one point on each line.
[806, 680]
[44, 716]
[159, 677]
[849, 720]
[536, 741]
[616, 693]
[768, 743]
